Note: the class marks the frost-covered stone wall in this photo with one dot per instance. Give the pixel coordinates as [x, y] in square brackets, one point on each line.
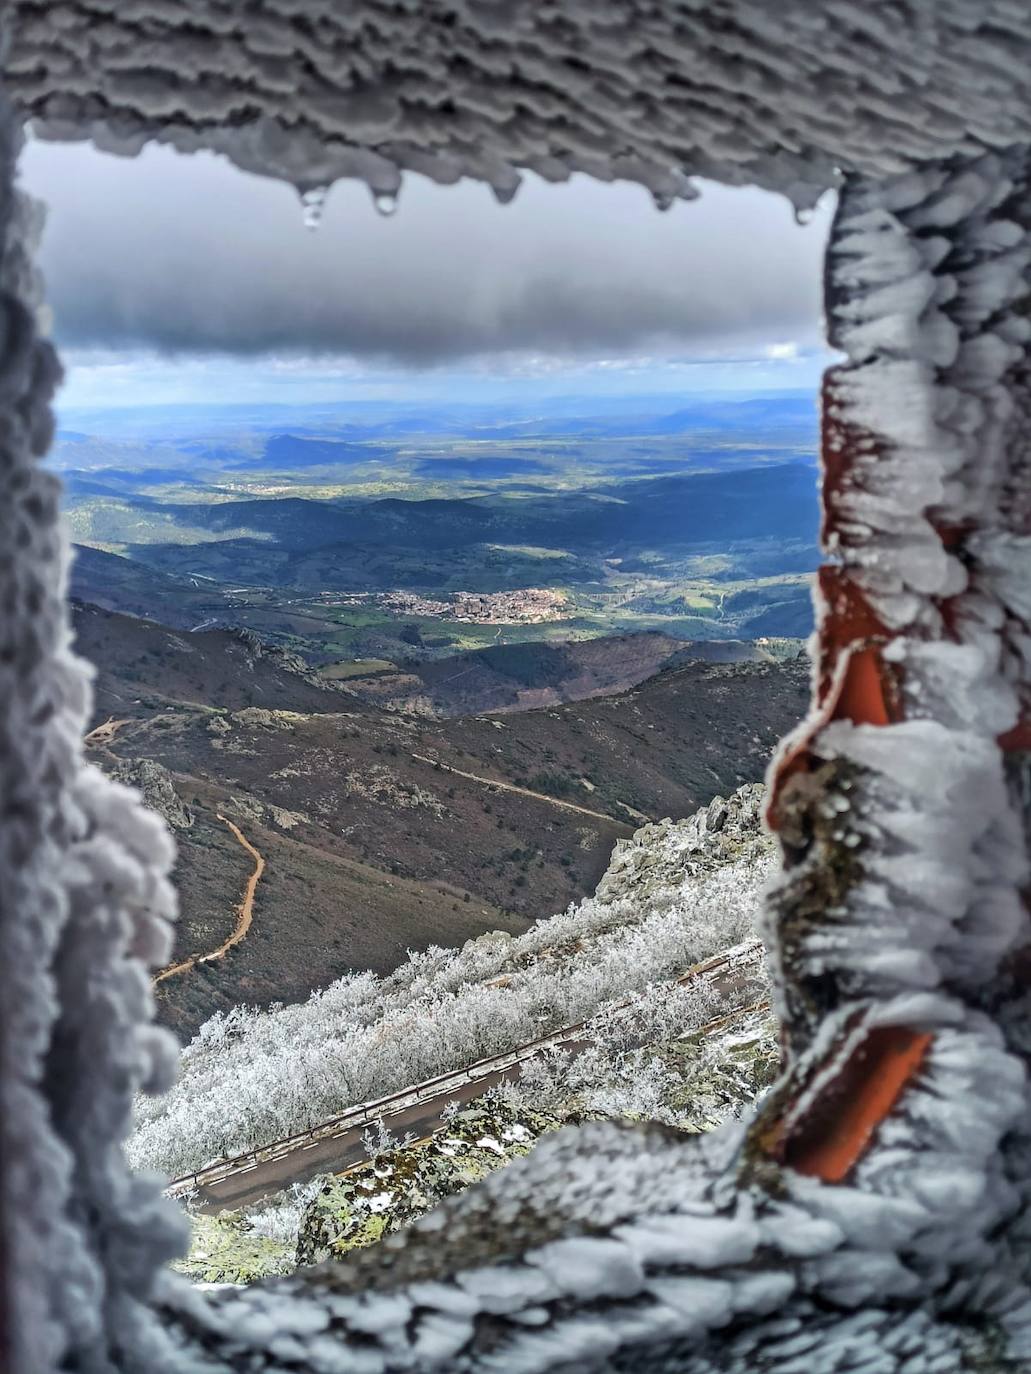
[873, 1213]
[84, 907]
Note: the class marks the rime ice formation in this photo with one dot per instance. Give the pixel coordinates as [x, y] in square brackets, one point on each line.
[781, 96]
[813, 1236]
[84, 902]
[874, 1214]
[673, 895]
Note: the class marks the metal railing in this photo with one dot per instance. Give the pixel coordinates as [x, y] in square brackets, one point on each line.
[376, 1109]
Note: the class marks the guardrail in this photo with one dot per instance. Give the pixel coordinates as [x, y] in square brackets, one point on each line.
[376, 1109]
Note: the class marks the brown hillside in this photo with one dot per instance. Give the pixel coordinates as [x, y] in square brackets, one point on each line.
[382, 832]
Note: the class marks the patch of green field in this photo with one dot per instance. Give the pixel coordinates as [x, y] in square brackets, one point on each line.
[358, 667]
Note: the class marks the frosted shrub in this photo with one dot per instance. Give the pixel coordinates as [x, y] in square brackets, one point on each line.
[378, 1140]
[620, 1074]
[250, 1077]
[279, 1220]
[639, 1086]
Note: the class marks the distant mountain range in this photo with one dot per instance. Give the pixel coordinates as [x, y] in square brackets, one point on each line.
[429, 662]
[186, 437]
[694, 510]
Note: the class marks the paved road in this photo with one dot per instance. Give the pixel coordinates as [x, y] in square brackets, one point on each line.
[336, 1145]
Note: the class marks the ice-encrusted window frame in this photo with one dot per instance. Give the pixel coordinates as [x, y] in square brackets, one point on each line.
[873, 1213]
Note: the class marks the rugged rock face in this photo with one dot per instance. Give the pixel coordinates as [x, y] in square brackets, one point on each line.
[155, 782]
[664, 854]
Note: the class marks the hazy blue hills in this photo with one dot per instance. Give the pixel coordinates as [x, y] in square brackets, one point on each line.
[778, 502]
[480, 467]
[695, 518]
[293, 450]
[264, 435]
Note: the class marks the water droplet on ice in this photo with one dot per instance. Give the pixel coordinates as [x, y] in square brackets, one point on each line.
[504, 195]
[385, 202]
[663, 200]
[804, 215]
[313, 202]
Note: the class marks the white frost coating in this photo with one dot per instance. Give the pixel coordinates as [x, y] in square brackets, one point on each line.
[252, 1077]
[924, 806]
[624, 89]
[944, 843]
[84, 899]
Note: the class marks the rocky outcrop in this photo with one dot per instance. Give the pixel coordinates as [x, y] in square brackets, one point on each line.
[664, 854]
[155, 782]
[405, 1181]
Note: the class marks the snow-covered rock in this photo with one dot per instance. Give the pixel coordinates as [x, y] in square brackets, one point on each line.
[665, 854]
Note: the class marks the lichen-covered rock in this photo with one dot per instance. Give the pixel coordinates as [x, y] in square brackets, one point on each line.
[719, 1074]
[227, 1249]
[404, 1182]
[710, 1075]
[155, 782]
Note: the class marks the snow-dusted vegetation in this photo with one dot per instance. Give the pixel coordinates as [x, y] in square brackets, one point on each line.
[650, 1060]
[674, 895]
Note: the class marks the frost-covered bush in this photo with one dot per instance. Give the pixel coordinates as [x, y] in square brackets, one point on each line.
[250, 1077]
[659, 1056]
[277, 1220]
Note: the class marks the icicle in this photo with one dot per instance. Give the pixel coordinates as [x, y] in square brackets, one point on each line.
[313, 204]
[385, 203]
[506, 192]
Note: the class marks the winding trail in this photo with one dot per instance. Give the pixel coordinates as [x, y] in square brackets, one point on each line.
[526, 792]
[244, 913]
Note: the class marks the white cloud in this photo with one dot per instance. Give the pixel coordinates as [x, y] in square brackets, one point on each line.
[782, 352]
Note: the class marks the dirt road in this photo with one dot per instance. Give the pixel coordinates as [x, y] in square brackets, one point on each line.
[526, 792]
[244, 913]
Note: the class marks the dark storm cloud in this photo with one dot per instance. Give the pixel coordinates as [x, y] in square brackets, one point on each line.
[185, 254]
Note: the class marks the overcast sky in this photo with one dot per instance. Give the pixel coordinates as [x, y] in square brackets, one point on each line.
[176, 276]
